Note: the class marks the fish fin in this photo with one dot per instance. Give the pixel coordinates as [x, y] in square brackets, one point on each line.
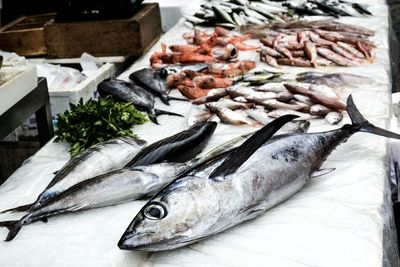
[13, 228]
[153, 117]
[22, 208]
[159, 112]
[177, 99]
[362, 125]
[45, 220]
[238, 156]
[321, 172]
[164, 99]
[55, 173]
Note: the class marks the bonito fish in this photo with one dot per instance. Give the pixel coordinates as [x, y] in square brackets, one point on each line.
[253, 179]
[96, 160]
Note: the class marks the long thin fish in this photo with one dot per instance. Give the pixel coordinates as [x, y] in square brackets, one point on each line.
[96, 160]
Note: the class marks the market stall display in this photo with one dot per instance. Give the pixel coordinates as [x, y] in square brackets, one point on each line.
[233, 13]
[343, 217]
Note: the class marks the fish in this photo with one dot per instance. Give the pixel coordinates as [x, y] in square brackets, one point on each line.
[319, 110]
[351, 49]
[141, 99]
[327, 99]
[230, 104]
[333, 117]
[229, 116]
[260, 97]
[299, 62]
[176, 148]
[284, 51]
[212, 95]
[298, 53]
[152, 81]
[360, 8]
[222, 14]
[172, 69]
[365, 50]
[272, 87]
[269, 60]
[282, 112]
[254, 178]
[290, 127]
[108, 189]
[303, 99]
[275, 104]
[97, 159]
[260, 77]
[226, 53]
[341, 61]
[265, 50]
[200, 118]
[311, 51]
[193, 92]
[335, 80]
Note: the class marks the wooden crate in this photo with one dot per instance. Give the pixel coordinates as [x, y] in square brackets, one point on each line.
[25, 35]
[105, 38]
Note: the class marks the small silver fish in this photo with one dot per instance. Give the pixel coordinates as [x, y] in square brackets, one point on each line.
[319, 110]
[338, 59]
[281, 112]
[334, 117]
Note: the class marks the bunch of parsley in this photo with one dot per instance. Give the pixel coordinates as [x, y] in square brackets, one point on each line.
[92, 122]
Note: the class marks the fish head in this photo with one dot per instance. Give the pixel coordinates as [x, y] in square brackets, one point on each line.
[179, 215]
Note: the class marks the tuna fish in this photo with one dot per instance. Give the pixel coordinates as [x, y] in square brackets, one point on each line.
[226, 192]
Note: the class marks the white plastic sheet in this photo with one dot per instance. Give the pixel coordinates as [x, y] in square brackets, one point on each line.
[340, 219]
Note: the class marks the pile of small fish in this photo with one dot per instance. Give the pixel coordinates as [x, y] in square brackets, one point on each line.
[258, 105]
[335, 8]
[212, 54]
[312, 43]
[311, 96]
[219, 45]
[235, 13]
[232, 14]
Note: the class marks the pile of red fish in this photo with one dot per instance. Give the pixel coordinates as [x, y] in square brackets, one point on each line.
[312, 43]
[219, 49]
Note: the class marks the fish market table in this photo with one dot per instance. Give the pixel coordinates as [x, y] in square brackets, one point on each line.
[343, 218]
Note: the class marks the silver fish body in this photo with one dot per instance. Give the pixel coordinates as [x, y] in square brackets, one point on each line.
[274, 173]
[96, 160]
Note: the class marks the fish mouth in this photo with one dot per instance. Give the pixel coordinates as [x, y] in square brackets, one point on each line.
[143, 242]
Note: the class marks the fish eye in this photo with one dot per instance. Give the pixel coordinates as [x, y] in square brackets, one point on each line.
[155, 211]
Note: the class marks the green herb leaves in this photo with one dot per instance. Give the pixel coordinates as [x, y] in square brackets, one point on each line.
[96, 121]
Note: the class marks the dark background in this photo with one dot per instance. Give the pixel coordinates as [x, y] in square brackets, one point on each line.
[13, 9]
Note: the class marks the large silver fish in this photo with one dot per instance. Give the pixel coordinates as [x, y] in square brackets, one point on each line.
[253, 179]
[126, 184]
[96, 160]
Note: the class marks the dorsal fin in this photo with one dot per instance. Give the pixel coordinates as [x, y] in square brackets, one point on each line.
[243, 152]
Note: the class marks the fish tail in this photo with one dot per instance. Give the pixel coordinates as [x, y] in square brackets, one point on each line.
[153, 117]
[177, 99]
[164, 99]
[22, 208]
[159, 112]
[13, 228]
[363, 125]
